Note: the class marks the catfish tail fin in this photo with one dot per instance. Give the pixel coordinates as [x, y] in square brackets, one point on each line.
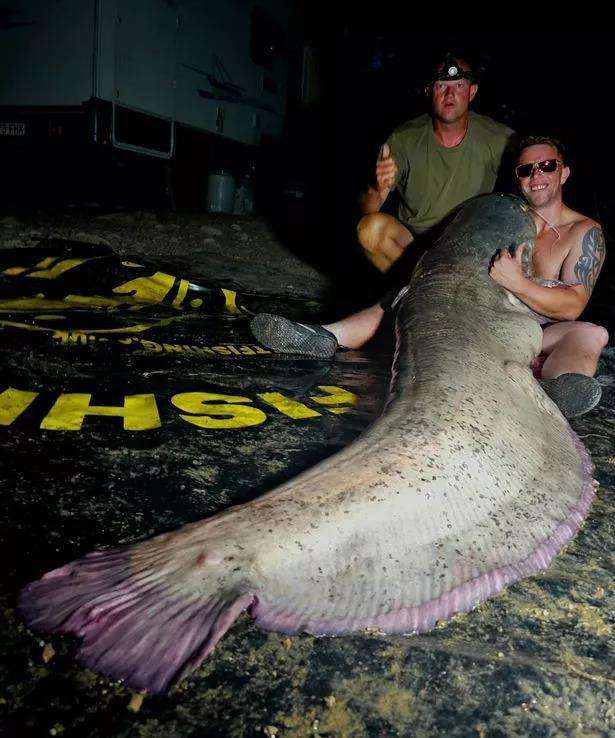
[140, 620]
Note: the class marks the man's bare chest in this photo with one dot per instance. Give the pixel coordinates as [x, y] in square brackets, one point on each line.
[550, 252]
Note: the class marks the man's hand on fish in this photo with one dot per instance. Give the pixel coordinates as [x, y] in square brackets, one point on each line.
[507, 270]
[560, 302]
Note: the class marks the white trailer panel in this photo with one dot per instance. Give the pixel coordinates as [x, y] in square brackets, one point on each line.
[219, 87]
[46, 52]
[187, 61]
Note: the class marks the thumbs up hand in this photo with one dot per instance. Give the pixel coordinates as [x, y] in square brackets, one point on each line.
[386, 170]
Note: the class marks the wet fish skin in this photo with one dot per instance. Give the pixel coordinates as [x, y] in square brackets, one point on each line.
[469, 480]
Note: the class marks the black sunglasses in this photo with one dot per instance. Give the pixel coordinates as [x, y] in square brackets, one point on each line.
[547, 165]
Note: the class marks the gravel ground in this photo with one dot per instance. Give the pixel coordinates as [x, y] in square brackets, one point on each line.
[242, 251]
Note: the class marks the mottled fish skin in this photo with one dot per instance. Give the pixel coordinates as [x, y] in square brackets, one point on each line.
[469, 480]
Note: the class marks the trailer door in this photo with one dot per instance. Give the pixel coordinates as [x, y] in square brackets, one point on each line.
[144, 79]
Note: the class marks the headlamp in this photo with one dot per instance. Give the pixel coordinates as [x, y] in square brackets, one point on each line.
[450, 70]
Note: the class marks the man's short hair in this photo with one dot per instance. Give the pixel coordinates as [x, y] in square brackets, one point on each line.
[528, 141]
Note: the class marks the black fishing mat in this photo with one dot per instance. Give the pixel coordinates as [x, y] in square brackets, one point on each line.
[134, 399]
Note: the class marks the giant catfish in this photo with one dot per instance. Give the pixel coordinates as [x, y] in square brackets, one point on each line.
[469, 480]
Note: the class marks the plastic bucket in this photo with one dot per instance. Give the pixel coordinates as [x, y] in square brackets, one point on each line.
[220, 192]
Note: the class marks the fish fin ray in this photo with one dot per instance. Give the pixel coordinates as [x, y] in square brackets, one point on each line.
[148, 635]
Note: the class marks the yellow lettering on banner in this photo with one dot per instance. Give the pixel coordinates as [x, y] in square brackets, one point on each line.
[139, 412]
[47, 262]
[247, 350]
[45, 269]
[71, 338]
[173, 347]
[55, 271]
[151, 345]
[204, 350]
[182, 291]
[13, 403]
[224, 350]
[208, 414]
[61, 336]
[288, 407]
[31, 303]
[93, 301]
[230, 302]
[335, 396]
[147, 289]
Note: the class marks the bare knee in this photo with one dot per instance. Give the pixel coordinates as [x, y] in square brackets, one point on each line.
[371, 228]
[593, 336]
[603, 336]
[573, 347]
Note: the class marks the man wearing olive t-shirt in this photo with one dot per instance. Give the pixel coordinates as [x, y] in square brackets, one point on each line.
[435, 162]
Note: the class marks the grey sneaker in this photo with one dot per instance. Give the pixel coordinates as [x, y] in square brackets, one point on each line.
[287, 337]
[574, 394]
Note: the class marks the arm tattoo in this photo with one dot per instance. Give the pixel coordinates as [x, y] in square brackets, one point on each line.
[589, 263]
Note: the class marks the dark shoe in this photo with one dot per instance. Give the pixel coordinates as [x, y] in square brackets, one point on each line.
[287, 337]
[574, 394]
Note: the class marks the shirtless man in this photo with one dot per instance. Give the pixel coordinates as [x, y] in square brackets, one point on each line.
[568, 255]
